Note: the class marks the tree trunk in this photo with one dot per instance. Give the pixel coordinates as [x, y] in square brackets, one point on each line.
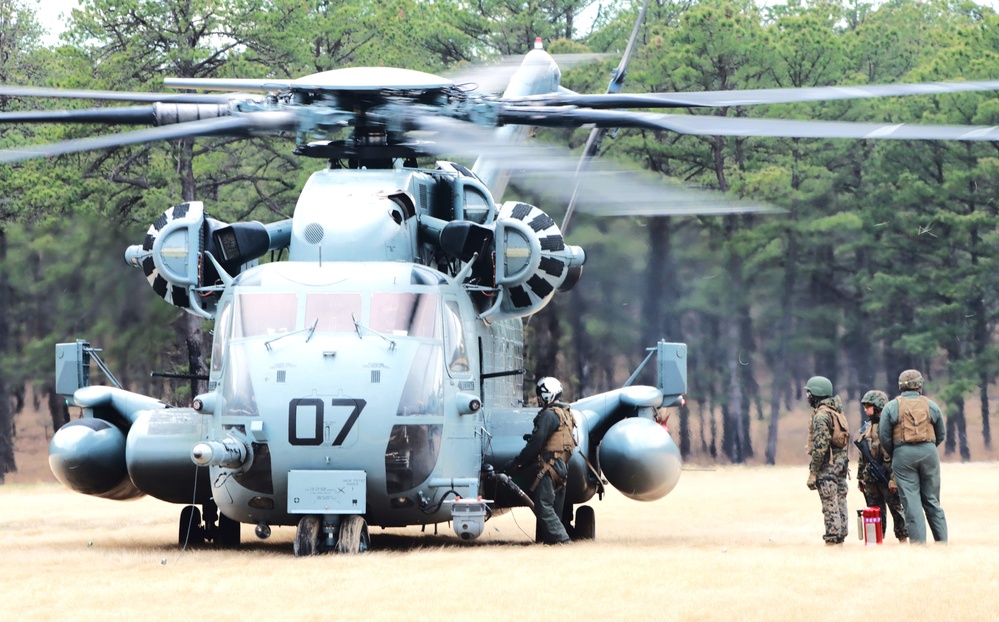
[733, 421]
[957, 432]
[684, 431]
[781, 370]
[7, 462]
[542, 333]
[193, 331]
[58, 411]
[583, 369]
[986, 428]
[982, 337]
[662, 321]
[750, 389]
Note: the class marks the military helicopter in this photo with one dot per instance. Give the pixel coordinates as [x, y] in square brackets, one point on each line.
[375, 377]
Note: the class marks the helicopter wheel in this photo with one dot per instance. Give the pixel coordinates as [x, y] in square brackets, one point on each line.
[227, 534]
[307, 536]
[353, 535]
[585, 525]
[191, 532]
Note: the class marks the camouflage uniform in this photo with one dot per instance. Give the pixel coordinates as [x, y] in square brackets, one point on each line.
[916, 464]
[877, 494]
[830, 465]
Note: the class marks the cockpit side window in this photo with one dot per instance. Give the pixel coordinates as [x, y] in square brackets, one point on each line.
[335, 312]
[454, 339]
[264, 314]
[404, 314]
[221, 336]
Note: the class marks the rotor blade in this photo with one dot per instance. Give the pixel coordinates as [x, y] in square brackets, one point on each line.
[606, 191]
[752, 97]
[550, 172]
[171, 98]
[596, 137]
[229, 84]
[454, 137]
[709, 125]
[373, 79]
[622, 69]
[225, 126]
[131, 115]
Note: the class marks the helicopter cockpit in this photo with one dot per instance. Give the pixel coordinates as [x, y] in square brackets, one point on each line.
[275, 314]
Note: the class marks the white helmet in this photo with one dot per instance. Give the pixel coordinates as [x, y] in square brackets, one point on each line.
[549, 389]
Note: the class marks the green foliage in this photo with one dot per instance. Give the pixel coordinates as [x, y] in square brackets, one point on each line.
[884, 259]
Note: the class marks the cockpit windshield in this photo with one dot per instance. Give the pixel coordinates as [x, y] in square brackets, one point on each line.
[396, 314]
[335, 312]
[404, 314]
[264, 314]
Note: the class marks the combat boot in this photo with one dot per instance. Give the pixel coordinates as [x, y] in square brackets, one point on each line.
[903, 539]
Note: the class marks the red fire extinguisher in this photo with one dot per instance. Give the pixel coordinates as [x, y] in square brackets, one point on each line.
[872, 534]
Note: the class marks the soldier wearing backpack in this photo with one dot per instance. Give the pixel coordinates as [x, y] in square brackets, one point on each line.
[912, 427]
[828, 435]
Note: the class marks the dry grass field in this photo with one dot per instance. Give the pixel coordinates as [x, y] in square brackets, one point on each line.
[732, 543]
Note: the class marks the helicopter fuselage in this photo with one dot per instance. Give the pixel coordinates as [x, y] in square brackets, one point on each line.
[375, 376]
[361, 368]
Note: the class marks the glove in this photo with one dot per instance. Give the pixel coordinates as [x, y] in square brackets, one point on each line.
[811, 481]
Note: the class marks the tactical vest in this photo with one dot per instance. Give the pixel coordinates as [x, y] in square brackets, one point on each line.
[839, 433]
[874, 441]
[914, 422]
[561, 444]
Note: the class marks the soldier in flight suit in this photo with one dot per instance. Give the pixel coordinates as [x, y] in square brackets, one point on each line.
[911, 428]
[829, 464]
[547, 453]
[876, 493]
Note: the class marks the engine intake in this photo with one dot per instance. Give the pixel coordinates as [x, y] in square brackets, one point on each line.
[531, 261]
[173, 255]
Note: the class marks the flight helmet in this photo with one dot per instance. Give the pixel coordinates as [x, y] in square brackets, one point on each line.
[549, 389]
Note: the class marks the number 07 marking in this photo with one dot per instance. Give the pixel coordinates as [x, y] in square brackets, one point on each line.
[316, 409]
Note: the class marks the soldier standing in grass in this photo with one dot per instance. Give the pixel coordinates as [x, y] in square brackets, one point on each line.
[828, 468]
[911, 428]
[874, 476]
[547, 453]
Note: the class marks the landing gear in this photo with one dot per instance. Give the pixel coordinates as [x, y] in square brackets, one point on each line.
[216, 528]
[353, 535]
[585, 525]
[307, 537]
[191, 532]
[315, 535]
[227, 533]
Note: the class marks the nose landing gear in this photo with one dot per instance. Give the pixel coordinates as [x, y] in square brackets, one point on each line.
[216, 528]
[314, 531]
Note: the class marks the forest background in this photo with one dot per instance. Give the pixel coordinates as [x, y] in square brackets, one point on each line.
[885, 258]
